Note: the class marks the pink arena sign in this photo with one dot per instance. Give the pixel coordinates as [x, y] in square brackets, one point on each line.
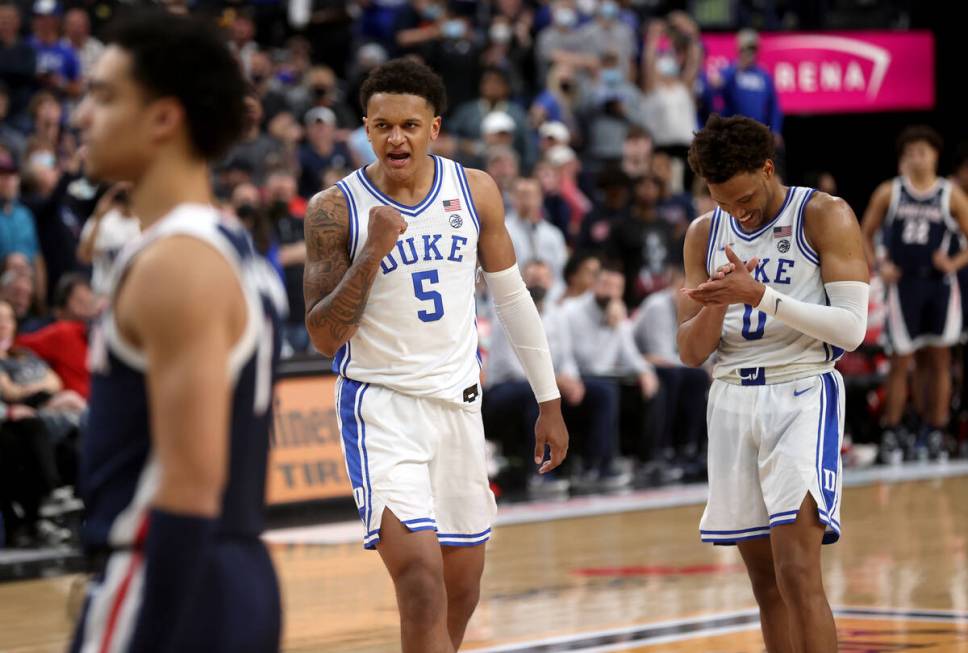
[833, 72]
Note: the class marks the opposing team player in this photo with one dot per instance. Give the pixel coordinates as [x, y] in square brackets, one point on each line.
[920, 217]
[174, 456]
[393, 251]
[777, 287]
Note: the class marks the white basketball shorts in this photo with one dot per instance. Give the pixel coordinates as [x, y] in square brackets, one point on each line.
[423, 459]
[769, 445]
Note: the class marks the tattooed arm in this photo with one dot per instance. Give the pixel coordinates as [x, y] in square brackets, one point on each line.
[335, 289]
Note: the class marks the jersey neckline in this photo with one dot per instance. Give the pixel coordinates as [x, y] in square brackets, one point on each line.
[410, 210]
[759, 232]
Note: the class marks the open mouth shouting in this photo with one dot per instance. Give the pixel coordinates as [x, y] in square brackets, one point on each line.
[398, 159]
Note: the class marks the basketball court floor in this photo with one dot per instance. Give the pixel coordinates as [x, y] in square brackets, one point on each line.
[624, 573]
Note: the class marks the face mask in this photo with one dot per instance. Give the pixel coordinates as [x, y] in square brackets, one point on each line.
[432, 12]
[321, 92]
[245, 211]
[453, 29]
[667, 66]
[43, 159]
[500, 33]
[608, 10]
[538, 293]
[258, 79]
[565, 17]
[602, 301]
[611, 76]
[280, 207]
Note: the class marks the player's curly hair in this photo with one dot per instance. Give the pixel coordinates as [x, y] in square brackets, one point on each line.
[726, 147]
[407, 77]
[919, 133]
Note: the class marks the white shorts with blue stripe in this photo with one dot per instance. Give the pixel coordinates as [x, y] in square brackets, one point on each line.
[769, 445]
[422, 459]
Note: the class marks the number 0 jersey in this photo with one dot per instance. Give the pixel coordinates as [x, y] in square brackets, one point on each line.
[418, 333]
[756, 349]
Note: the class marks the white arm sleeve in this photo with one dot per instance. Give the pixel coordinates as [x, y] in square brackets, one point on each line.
[842, 324]
[521, 321]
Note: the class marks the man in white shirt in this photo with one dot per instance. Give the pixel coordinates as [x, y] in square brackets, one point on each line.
[534, 237]
[601, 335]
[683, 405]
[509, 405]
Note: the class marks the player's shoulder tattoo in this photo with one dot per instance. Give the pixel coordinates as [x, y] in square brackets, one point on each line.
[326, 224]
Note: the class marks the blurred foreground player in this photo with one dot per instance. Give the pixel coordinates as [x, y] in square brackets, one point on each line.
[174, 458]
[776, 285]
[393, 251]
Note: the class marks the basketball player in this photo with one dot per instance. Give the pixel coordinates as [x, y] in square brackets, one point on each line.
[393, 251]
[776, 286]
[174, 456]
[920, 217]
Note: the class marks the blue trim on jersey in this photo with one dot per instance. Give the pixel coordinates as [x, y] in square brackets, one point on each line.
[739, 532]
[837, 352]
[828, 445]
[762, 230]
[779, 515]
[734, 540]
[351, 440]
[354, 440]
[354, 221]
[338, 358]
[711, 241]
[366, 455]
[465, 536]
[410, 211]
[807, 251]
[465, 187]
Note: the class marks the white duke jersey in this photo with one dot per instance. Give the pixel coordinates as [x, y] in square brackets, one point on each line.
[418, 333]
[757, 349]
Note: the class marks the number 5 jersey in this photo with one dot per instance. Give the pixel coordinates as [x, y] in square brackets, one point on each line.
[418, 333]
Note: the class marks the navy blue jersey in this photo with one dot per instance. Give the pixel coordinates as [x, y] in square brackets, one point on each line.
[918, 224]
[119, 475]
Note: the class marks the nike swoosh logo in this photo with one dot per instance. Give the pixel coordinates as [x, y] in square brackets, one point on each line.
[797, 393]
[776, 307]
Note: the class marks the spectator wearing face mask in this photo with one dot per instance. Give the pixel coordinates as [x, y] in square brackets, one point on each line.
[610, 111]
[18, 233]
[669, 108]
[562, 42]
[607, 33]
[682, 423]
[601, 336]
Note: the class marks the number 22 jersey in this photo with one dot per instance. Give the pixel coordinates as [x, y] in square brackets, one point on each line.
[418, 333]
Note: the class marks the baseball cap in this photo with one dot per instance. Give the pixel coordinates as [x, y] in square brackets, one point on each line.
[555, 130]
[559, 155]
[320, 114]
[47, 8]
[497, 122]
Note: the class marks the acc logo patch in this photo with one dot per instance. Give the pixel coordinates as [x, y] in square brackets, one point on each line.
[783, 246]
[456, 221]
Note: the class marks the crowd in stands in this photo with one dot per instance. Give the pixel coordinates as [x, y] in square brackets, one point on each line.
[581, 110]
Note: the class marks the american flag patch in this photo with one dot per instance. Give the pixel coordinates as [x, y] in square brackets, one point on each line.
[782, 232]
[452, 205]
